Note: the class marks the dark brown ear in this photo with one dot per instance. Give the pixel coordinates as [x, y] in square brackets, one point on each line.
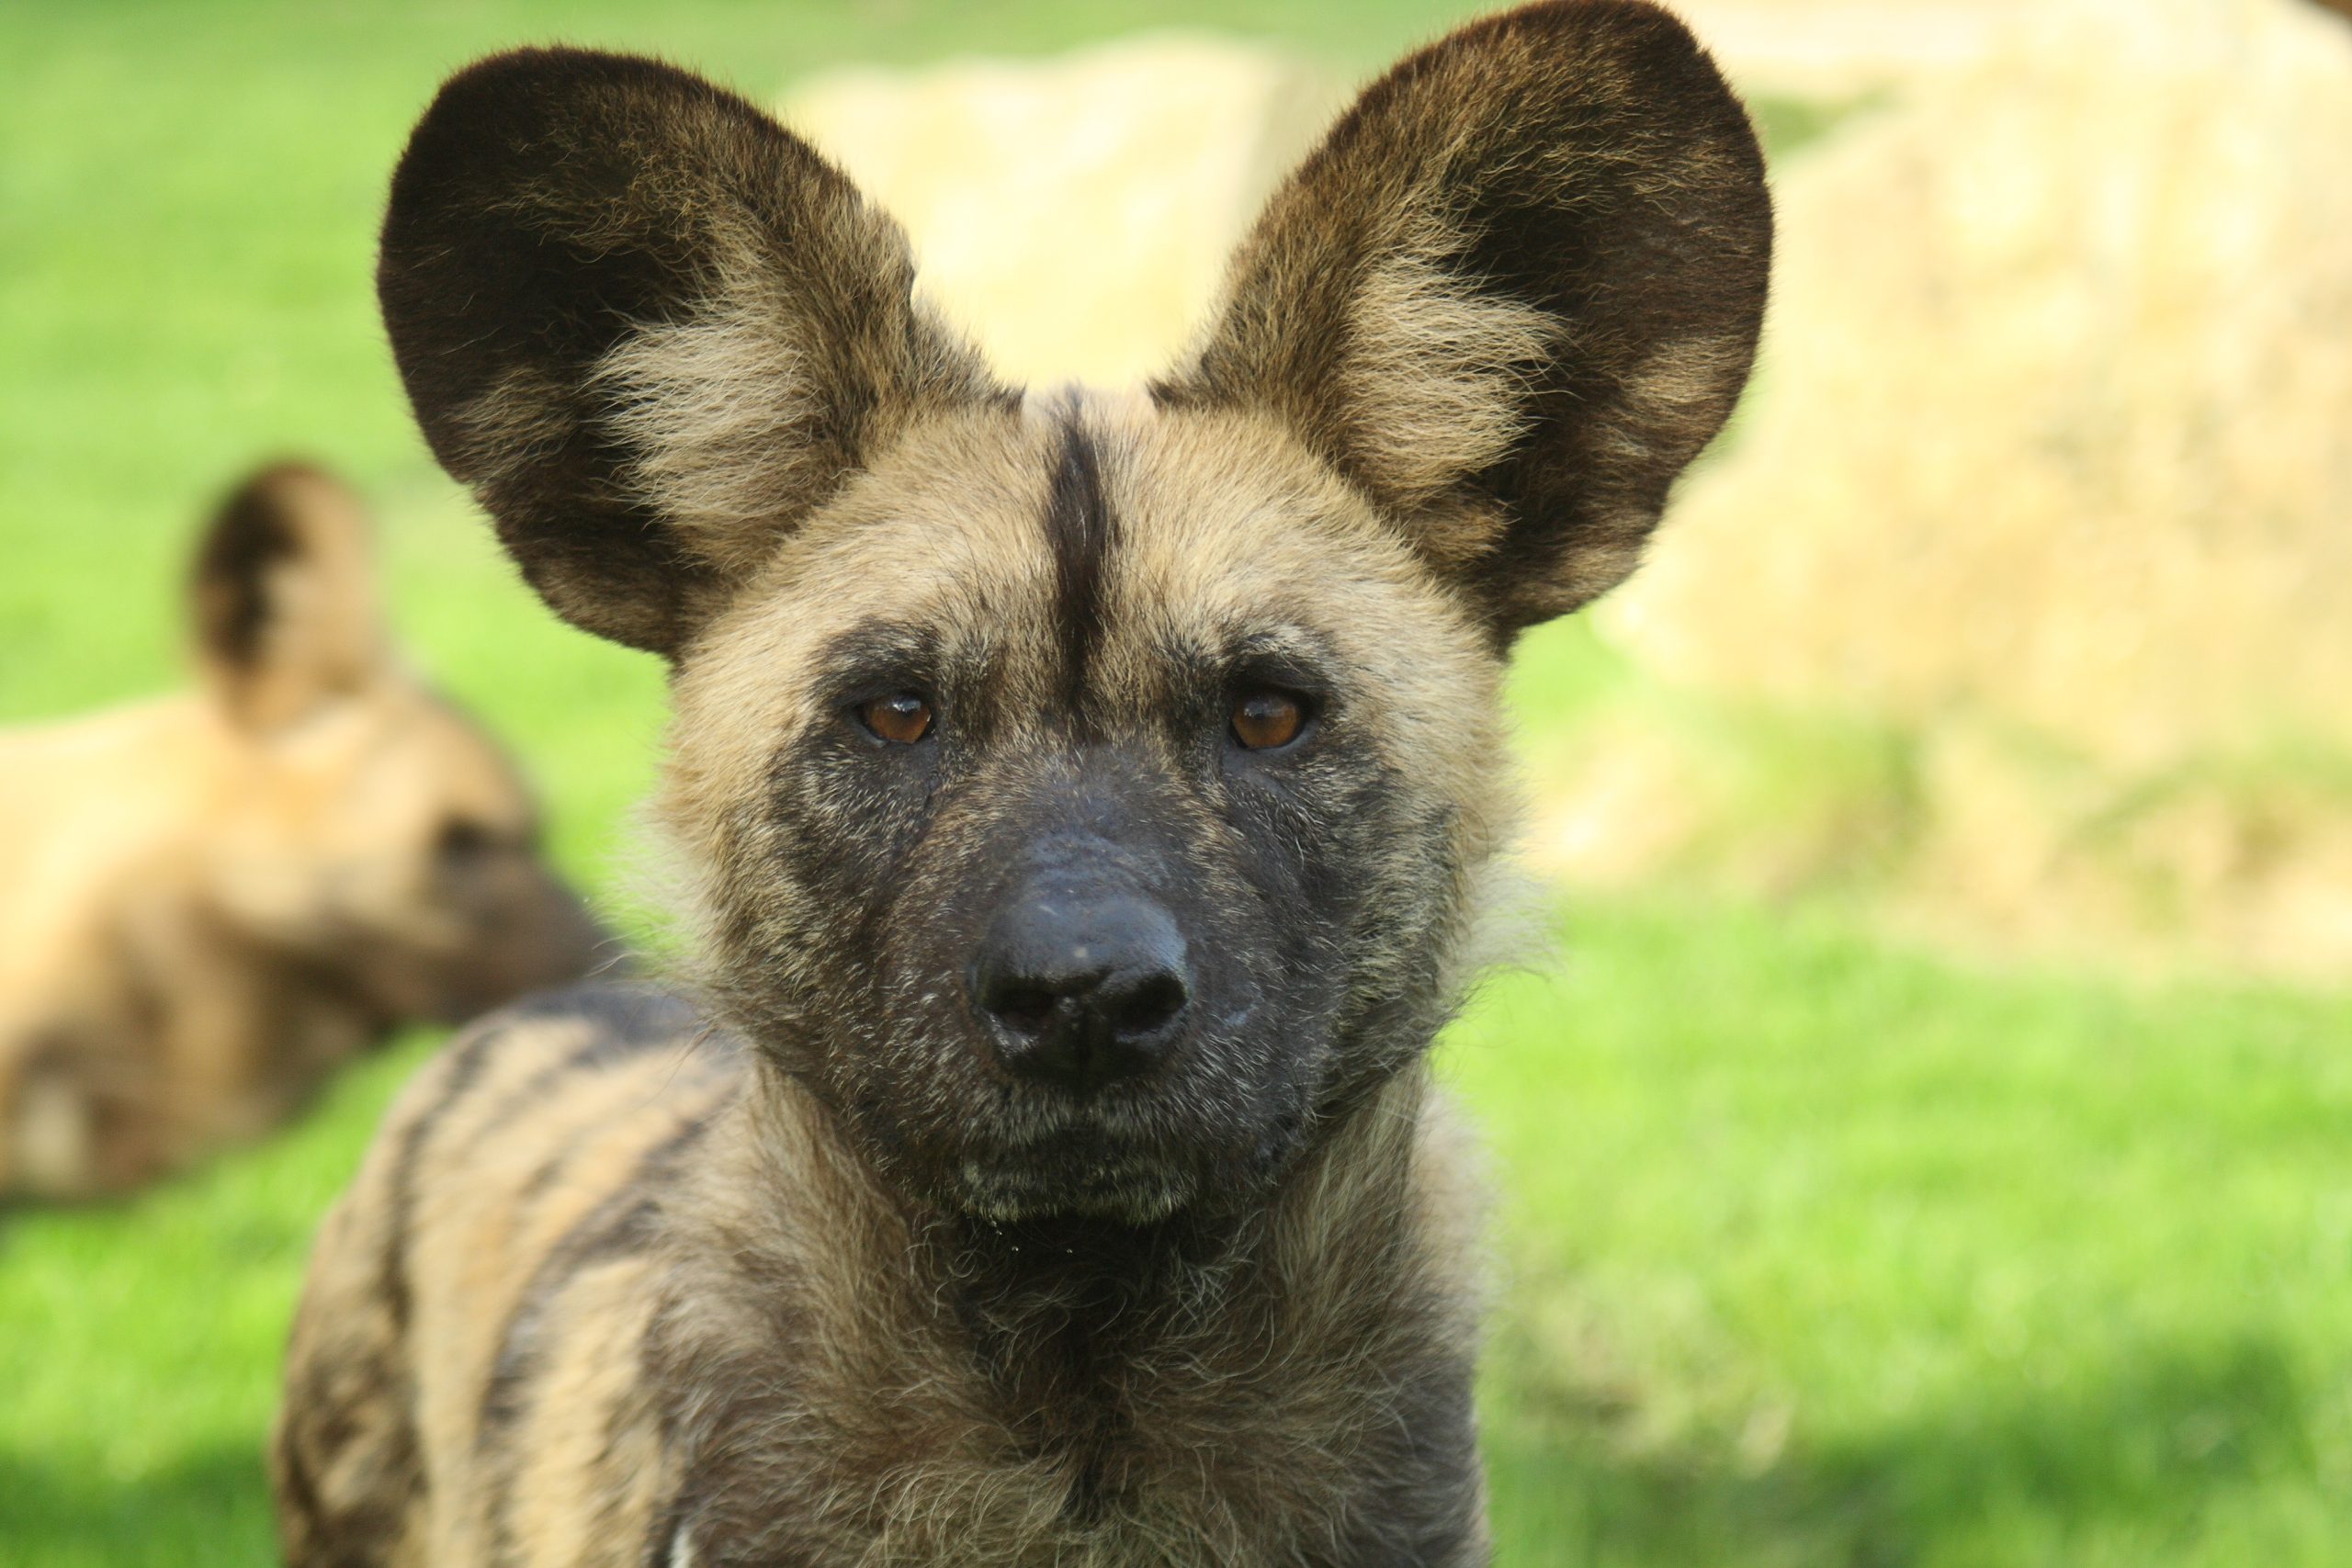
[647, 325]
[1511, 296]
[286, 608]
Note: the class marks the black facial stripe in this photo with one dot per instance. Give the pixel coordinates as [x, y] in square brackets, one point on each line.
[1080, 532]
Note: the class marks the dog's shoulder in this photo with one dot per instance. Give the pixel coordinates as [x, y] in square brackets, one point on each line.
[529, 1081]
[510, 1215]
[555, 1114]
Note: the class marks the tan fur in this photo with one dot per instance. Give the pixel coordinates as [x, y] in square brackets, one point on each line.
[813, 1268]
[209, 901]
[727, 409]
[1436, 382]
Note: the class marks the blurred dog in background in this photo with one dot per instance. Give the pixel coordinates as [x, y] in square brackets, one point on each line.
[210, 900]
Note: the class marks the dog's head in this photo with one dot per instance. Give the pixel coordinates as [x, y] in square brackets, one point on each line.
[1088, 792]
[367, 829]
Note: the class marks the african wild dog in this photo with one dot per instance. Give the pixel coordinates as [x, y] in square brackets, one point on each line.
[1087, 798]
[210, 900]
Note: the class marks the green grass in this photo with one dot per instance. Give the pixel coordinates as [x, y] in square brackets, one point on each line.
[1826, 1254]
[1813, 1251]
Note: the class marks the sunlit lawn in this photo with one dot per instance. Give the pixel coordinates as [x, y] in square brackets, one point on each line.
[1814, 1252]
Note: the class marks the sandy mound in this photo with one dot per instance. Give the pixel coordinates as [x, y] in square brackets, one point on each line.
[1076, 212]
[2050, 476]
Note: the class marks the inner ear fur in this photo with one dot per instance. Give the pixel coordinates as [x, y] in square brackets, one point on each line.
[1511, 296]
[284, 600]
[648, 326]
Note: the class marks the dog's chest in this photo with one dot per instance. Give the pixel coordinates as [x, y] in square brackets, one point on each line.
[1078, 1463]
[836, 1389]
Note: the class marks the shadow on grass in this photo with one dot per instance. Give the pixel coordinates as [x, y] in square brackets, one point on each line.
[210, 1506]
[2139, 1452]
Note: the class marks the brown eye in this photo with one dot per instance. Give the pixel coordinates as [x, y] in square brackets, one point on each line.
[901, 717]
[1263, 720]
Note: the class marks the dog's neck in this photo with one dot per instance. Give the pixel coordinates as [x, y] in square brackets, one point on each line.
[1059, 1316]
[1046, 1307]
[1267, 1367]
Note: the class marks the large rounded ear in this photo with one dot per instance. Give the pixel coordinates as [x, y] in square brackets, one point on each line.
[287, 615]
[648, 326]
[1511, 296]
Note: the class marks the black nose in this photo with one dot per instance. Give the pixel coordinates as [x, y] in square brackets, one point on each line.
[1081, 990]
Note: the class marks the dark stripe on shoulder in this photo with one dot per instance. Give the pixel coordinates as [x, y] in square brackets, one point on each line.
[630, 1011]
[704, 1056]
[465, 1058]
[375, 1500]
[629, 1018]
[623, 1022]
[1081, 532]
[625, 1223]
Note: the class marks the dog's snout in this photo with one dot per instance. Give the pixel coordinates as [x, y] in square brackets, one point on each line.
[1081, 990]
